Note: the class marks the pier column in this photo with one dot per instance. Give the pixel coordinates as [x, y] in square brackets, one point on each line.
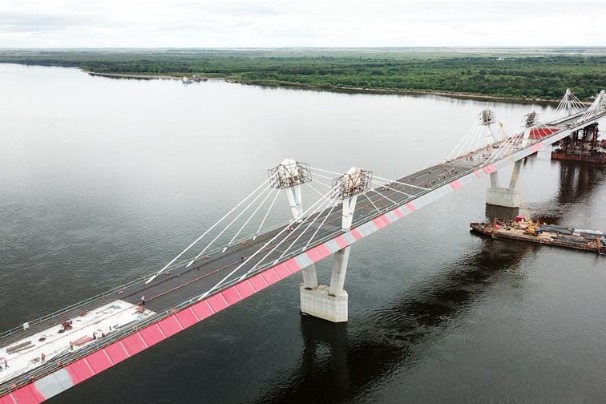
[331, 302]
[295, 202]
[504, 202]
[310, 277]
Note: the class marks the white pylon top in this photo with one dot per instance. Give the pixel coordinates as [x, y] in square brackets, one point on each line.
[530, 119]
[353, 182]
[287, 169]
[289, 173]
[487, 117]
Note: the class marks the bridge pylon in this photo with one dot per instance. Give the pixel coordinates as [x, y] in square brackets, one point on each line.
[288, 176]
[330, 302]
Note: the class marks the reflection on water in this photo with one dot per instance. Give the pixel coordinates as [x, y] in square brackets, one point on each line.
[337, 366]
[575, 185]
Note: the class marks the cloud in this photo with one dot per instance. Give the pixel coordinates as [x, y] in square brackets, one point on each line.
[281, 23]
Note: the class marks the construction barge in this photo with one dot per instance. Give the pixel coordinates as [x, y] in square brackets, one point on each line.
[533, 232]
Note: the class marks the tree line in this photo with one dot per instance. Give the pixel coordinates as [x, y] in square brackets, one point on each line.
[513, 76]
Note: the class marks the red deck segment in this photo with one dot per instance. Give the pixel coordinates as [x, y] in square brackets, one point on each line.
[258, 283]
[186, 318]
[98, 361]
[245, 289]
[292, 265]
[170, 326]
[341, 241]
[455, 185]
[282, 271]
[27, 395]
[134, 344]
[270, 276]
[80, 370]
[489, 169]
[6, 400]
[116, 352]
[217, 302]
[380, 221]
[231, 295]
[203, 310]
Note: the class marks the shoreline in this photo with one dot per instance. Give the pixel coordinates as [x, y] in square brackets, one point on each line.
[335, 89]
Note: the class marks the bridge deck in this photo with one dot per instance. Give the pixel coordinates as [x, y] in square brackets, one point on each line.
[174, 290]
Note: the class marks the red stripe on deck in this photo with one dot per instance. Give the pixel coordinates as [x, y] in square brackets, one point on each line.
[356, 234]
[98, 361]
[232, 295]
[313, 255]
[6, 400]
[79, 371]
[27, 395]
[398, 213]
[152, 335]
[478, 174]
[217, 302]
[411, 207]
[134, 344]
[293, 265]
[341, 242]
[282, 271]
[455, 185]
[116, 352]
[186, 318]
[323, 250]
[380, 221]
[270, 276]
[489, 169]
[245, 289]
[258, 283]
[318, 253]
[536, 147]
[203, 310]
[170, 326]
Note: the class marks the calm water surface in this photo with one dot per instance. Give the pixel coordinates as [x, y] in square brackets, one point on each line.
[103, 180]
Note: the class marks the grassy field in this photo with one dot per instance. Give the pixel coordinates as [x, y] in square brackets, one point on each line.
[508, 73]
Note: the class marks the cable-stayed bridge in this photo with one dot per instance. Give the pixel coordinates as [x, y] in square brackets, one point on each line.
[241, 255]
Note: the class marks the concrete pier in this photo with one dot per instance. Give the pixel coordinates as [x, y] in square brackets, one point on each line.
[503, 202]
[318, 302]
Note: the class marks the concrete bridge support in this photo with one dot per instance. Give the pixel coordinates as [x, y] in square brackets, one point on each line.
[503, 202]
[331, 302]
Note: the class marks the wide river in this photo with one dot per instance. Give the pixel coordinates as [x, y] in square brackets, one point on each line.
[105, 180]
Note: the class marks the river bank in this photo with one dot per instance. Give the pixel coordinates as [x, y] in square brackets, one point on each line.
[335, 89]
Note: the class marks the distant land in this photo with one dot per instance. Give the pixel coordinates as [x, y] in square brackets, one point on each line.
[528, 74]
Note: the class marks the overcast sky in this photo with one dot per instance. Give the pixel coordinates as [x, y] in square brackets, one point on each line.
[299, 23]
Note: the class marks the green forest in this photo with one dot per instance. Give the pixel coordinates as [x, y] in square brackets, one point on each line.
[503, 74]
